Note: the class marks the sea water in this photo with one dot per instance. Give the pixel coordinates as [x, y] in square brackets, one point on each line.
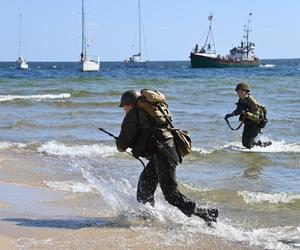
[50, 116]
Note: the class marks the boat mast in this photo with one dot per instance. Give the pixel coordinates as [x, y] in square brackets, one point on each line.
[83, 37]
[140, 33]
[210, 37]
[20, 35]
[247, 31]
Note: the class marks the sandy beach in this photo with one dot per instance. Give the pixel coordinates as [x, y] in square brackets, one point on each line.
[33, 216]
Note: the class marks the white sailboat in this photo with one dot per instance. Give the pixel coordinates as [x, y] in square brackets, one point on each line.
[22, 64]
[89, 63]
[137, 59]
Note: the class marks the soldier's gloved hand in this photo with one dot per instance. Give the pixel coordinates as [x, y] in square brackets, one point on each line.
[228, 116]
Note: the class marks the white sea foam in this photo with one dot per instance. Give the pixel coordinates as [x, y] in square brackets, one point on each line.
[259, 197]
[267, 65]
[275, 147]
[6, 98]
[202, 151]
[60, 149]
[70, 186]
[9, 145]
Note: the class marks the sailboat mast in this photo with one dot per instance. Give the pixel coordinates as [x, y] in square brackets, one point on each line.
[140, 33]
[83, 37]
[20, 34]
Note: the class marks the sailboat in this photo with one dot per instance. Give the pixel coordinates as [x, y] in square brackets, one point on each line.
[241, 56]
[136, 59]
[88, 64]
[22, 64]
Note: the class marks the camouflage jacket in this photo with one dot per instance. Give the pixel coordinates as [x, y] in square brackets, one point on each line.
[248, 109]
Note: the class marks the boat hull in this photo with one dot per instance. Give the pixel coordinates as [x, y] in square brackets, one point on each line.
[136, 64]
[89, 65]
[200, 61]
[23, 66]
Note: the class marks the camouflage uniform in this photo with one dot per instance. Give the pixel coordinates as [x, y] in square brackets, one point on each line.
[136, 132]
[251, 120]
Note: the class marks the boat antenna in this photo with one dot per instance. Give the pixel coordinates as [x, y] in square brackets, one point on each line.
[247, 31]
[209, 41]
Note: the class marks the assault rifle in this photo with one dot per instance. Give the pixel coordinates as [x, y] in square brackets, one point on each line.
[116, 138]
[162, 148]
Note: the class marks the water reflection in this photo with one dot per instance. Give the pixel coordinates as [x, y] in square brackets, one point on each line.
[254, 165]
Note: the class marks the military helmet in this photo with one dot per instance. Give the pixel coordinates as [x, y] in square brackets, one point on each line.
[129, 97]
[243, 86]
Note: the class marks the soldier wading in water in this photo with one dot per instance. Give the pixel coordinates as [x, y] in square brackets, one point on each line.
[252, 114]
[141, 133]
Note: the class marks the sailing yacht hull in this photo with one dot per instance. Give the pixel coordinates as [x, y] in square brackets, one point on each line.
[201, 61]
[23, 66]
[136, 64]
[90, 65]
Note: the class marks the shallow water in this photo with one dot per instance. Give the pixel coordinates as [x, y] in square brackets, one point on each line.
[49, 120]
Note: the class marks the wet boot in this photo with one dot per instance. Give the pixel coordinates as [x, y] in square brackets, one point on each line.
[263, 144]
[209, 215]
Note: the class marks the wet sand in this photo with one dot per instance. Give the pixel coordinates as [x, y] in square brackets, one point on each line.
[7, 243]
[22, 227]
[33, 216]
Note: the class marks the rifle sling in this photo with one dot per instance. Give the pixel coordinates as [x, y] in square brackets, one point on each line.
[237, 128]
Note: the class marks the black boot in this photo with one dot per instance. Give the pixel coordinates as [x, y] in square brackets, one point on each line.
[267, 143]
[263, 144]
[209, 215]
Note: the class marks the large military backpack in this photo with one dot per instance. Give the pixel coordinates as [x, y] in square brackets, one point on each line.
[154, 103]
[263, 120]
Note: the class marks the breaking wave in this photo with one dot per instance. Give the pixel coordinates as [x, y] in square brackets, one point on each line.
[60, 149]
[259, 197]
[11, 145]
[6, 98]
[275, 147]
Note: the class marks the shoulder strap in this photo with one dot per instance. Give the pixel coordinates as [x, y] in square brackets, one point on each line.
[165, 115]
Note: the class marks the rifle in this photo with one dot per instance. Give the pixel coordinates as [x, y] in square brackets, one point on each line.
[116, 138]
[106, 132]
[164, 150]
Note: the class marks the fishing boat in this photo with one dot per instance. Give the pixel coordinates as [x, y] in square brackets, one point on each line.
[21, 62]
[137, 59]
[242, 55]
[88, 62]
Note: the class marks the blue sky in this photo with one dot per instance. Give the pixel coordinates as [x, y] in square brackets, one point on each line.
[51, 28]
